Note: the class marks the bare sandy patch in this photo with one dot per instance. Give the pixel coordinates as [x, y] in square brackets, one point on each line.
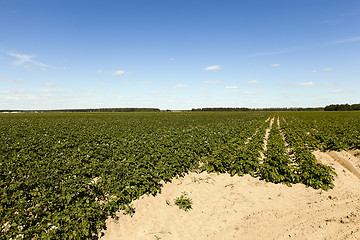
[236, 207]
[347, 160]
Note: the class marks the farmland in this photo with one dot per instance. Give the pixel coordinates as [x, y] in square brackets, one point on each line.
[63, 174]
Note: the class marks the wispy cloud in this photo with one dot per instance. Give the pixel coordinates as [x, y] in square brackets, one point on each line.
[248, 93]
[15, 92]
[29, 68]
[102, 84]
[99, 71]
[213, 67]
[231, 87]
[212, 82]
[271, 53]
[328, 85]
[10, 80]
[296, 48]
[56, 91]
[43, 69]
[275, 65]
[24, 58]
[118, 72]
[49, 84]
[324, 70]
[172, 59]
[338, 91]
[85, 91]
[180, 85]
[253, 82]
[157, 93]
[341, 41]
[146, 82]
[306, 84]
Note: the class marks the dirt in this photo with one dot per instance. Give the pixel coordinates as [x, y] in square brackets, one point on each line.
[347, 160]
[266, 138]
[236, 207]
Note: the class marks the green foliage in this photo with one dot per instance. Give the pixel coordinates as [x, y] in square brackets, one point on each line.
[184, 202]
[63, 174]
[129, 210]
[307, 170]
[276, 167]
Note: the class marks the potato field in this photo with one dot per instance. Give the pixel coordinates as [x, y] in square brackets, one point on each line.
[63, 174]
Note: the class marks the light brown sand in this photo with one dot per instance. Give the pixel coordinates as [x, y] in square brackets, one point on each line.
[227, 207]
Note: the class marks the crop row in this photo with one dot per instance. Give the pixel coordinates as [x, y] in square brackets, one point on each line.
[327, 131]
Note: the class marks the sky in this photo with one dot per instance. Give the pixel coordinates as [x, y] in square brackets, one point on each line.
[178, 54]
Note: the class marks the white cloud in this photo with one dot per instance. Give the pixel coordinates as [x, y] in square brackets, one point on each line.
[341, 41]
[10, 80]
[253, 82]
[306, 84]
[180, 85]
[248, 93]
[274, 52]
[157, 93]
[56, 91]
[297, 48]
[212, 82]
[231, 87]
[172, 59]
[101, 84]
[85, 91]
[118, 72]
[14, 92]
[338, 91]
[28, 68]
[99, 71]
[145, 82]
[323, 70]
[23, 58]
[49, 84]
[275, 65]
[213, 67]
[43, 69]
[328, 85]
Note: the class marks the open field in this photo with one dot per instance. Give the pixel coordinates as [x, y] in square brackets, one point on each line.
[64, 174]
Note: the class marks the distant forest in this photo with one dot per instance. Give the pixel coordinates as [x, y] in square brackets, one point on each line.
[220, 109]
[91, 110]
[333, 107]
[342, 107]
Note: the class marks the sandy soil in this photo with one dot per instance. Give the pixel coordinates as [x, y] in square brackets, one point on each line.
[227, 207]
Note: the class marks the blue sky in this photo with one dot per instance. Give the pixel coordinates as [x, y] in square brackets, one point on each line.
[173, 54]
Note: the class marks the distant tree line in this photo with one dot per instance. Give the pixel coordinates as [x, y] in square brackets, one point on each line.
[243, 109]
[221, 109]
[342, 107]
[91, 110]
[333, 107]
